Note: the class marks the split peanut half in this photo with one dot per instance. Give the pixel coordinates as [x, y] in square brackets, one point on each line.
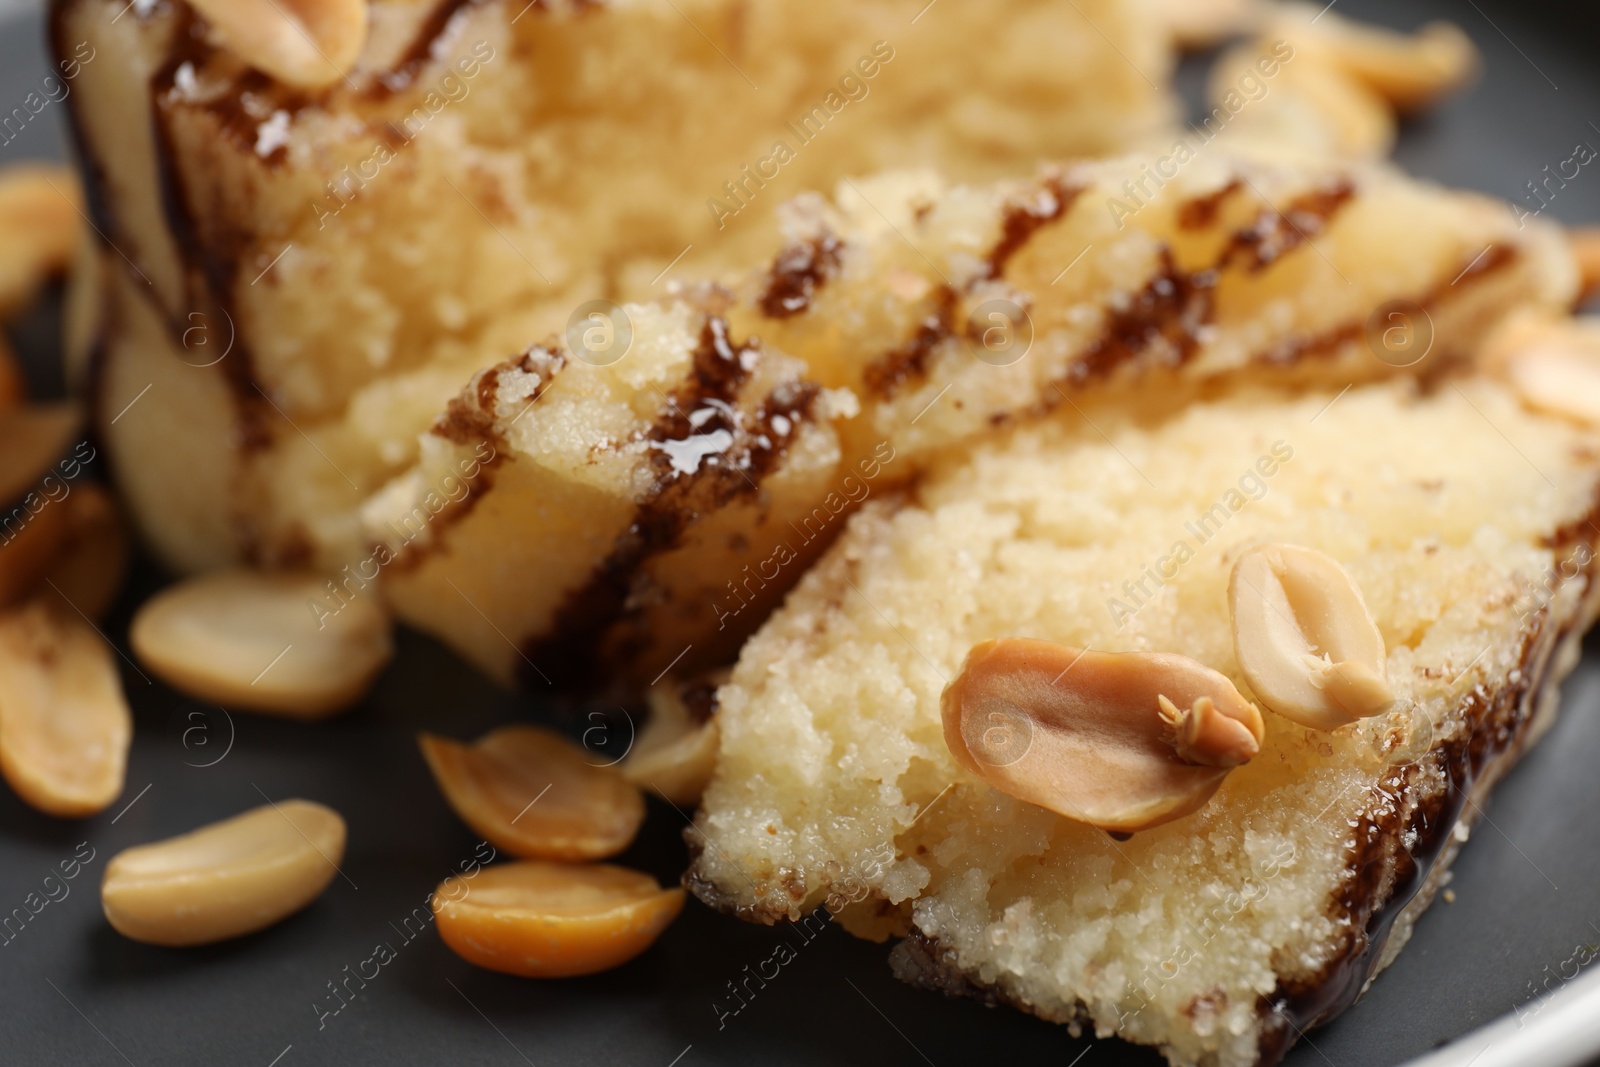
[64, 723]
[31, 539]
[39, 223]
[1551, 360]
[1559, 381]
[1123, 741]
[552, 920]
[1585, 244]
[1310, 104]
[1304, 638]
[1409, 70]
[675, 754]
[531, 792]
[307, 43]
[32, 439]
[248, 639]
[92, 561]
[227, 879]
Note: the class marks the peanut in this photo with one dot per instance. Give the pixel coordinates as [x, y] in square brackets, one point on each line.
[1559, 378]
[39, 222]
[675, 754]
[308, 43]
[552, 920]
[1410, 71]
[1304, 638]
[1123, 741]
[257, 640]
[88, 570]
[64, 723]
[32, 439]
[531, 792]
[226, 879]
[1585, 244]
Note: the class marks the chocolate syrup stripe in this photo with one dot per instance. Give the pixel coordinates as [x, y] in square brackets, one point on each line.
[1023, 220]
[885, 376]
[95, 200]
[216, 264]
[1200, 212]
[1381, 867]
[797, 273]
[420, 50]
[909, 362]
[585, 628]
[403, 74]
[1174, 305]
[1385, 876]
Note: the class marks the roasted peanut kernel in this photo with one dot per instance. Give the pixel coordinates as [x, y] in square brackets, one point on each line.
[227, 879]
[1304, 638]
[39, 223]
[247, 639]
[552, 920]
[1314, 107]
[87, 572]
[308, 43]
[531, 792]
[29, 546]
[1098, 736]
[1410, 71]
[64, 724]
[32, 440]
[1585, 244]
[675, 754]
[1356, 121]
[1562, 379]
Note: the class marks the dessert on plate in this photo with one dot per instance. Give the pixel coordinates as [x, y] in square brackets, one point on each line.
[1218, 937]
[1139, 548]
[360, 239]
[306, 326]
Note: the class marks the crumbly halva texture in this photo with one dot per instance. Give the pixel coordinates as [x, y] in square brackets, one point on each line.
[313, 277]
[359, 250]
[1463, 518]
[656, 507]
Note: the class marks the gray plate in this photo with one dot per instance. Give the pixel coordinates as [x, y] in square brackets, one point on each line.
[73, 992]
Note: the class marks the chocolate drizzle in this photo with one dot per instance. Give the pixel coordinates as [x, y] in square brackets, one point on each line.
[1025, 217]
[1275, 233]
[797, 273]
[704, 453]
[885, 375]
[1200, 212]
[420, 51]
[1331, 341]
[1406, 828]
[1166, 316]
[465, 421]
[1169, 314]
[94, 176]
[209, 258]
[1490, 260]
[1386, 874]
